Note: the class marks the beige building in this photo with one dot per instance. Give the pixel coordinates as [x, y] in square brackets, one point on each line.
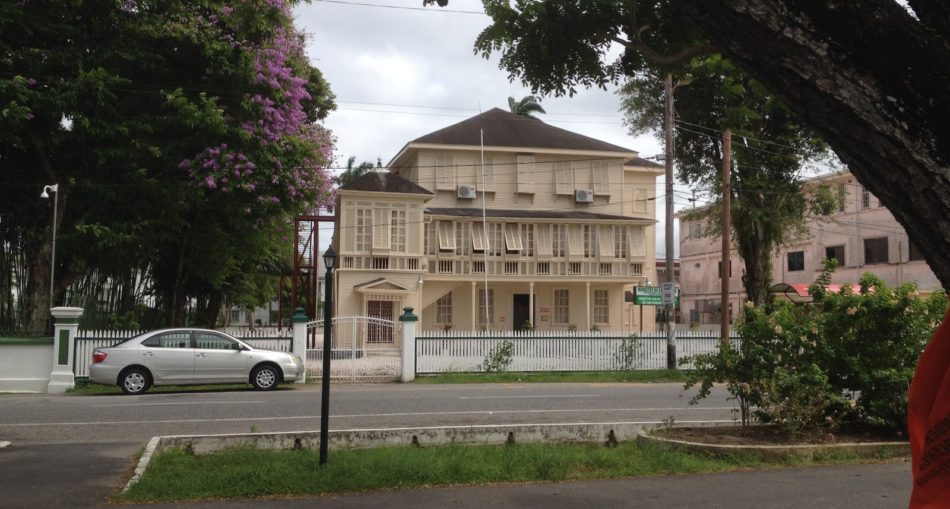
[500, 222]
[863, 236]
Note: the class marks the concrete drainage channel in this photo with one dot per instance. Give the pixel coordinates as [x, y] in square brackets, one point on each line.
[609, 433]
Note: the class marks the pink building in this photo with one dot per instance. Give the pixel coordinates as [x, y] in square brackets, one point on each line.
[863, 236]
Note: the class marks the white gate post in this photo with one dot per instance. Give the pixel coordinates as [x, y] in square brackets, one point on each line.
[299, 342]
[408, 344]
[64, 336]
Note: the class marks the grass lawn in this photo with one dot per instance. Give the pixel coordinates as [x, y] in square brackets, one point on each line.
[177, 475]
[85, 387]
[658, 376]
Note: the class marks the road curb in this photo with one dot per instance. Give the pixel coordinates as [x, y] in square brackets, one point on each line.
[776, 451]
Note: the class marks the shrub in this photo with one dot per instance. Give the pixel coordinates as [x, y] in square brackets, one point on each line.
[627, 357]
[845, 360]
[499, 357]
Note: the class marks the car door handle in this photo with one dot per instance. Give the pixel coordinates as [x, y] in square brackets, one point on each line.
[147, 354]
[199, 354]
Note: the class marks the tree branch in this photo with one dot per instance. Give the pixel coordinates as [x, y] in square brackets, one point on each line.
[935, 14]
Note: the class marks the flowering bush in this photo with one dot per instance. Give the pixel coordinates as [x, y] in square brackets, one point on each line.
[844, 361]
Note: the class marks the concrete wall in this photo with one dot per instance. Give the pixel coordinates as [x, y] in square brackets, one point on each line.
[25, 364]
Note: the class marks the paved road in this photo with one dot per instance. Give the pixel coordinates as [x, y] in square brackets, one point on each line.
[75, 451]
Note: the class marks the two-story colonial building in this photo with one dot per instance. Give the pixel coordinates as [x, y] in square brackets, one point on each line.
[500, 222]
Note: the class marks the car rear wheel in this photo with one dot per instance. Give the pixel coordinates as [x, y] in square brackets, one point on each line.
[135, 381]
[265, 377]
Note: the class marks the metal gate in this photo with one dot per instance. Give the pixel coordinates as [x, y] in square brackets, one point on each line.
[362, 349]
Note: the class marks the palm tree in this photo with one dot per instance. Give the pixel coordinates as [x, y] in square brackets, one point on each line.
[352, 172]
[528, 105]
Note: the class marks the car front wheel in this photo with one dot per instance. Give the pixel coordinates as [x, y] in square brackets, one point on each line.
[135, 381]
[265, 378]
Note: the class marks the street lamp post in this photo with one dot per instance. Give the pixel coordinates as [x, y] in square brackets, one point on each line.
[52, 264]
[329, 259]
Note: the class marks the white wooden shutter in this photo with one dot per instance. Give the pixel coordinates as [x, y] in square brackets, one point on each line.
[446, 236]
[512, 237]
[601, 176]
[525, 174]
[545, 249]
[479, 240]
[348, 229]
[564, 177]
[487, 177]
[575, 240]
[635, 238]
[381, 229]
[444, 173]
[640, 203]
[606, 239]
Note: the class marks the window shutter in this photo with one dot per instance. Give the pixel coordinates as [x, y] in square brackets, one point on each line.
[575, 241]
[601, 175]
[605, 238]
[446, 236]
[444, 173]
[545, 249]
[479, 240]
[525, 174]
[487, 178]
[564, 177]
[512, 237]
[349, 229]
[640, 203]
[635, 238]
[381, 229]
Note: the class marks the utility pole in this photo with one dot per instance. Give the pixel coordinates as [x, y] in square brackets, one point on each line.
[670, 332]
[726, 233]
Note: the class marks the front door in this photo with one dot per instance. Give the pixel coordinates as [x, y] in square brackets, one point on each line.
[379, 332]
[521, 312]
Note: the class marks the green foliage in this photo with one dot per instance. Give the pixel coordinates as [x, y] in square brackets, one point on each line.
[499, 357]
[526, 107]
[845, 360]
[629, 353]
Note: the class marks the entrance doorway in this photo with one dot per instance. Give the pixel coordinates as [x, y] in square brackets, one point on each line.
[379, 332]
[521, 312]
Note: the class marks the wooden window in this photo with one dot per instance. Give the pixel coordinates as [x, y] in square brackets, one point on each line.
[620, 242]
[913, 252]
[364, 224]
[590, 241]
[381, 229]
[796, 261]
[575, 241]
[865, 198]
[601, 311]
[527, 240]
[562, 306]
[444, 173]
[526, 166]
[563, 177]
[443, 309]
[835, 252]
[431, 238]
[875, 250]
[446, 236]
[720, 269]
[512, 237]
[601, 174]
[841, 197]
[398, 231]
[462, 246]
[559, 232]
[496, 235]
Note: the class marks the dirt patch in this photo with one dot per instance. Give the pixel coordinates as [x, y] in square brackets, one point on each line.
[767, 435]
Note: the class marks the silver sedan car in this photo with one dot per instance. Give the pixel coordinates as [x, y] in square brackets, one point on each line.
[189, 357]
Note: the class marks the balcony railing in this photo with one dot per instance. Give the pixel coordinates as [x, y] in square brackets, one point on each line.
[464, 266]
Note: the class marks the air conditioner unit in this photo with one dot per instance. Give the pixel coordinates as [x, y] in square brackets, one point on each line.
[466, 192]
[583, 196]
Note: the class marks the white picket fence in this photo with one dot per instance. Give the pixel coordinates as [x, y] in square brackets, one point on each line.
[466, 351]
[268, 338]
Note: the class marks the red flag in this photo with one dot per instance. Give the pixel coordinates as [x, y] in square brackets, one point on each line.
[928, 423]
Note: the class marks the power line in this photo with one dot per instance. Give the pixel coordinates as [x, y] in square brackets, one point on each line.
[400, 7]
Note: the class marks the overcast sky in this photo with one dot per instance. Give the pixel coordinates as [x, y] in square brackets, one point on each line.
[404, 71]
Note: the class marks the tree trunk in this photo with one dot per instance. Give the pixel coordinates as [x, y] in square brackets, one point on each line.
[872, 81]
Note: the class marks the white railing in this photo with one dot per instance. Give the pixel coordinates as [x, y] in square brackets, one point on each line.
[466, 351]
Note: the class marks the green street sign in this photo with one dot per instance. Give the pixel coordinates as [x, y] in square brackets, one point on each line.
[651, 296]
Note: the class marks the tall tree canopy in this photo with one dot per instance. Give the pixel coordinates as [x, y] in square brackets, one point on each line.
[183, 137]
[526, 107]
[869, 77]
[770, 201]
